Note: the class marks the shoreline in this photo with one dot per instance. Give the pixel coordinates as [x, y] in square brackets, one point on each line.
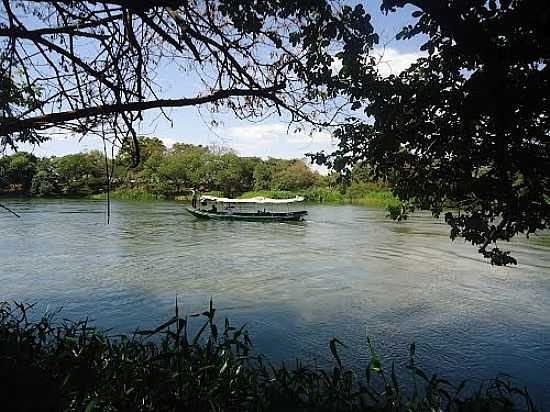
[382, 198]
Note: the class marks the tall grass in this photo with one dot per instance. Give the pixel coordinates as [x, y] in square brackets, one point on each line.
[129, 194]
[324, 195]
[371, 194]
[214, 193]
[364, 195]
[380, 198]
[188, 365]
[361, 194]
[273, 194]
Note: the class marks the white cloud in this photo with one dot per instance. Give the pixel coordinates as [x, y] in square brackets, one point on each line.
[63, 144]
[336, 65]
[389, 60]
[276, 140]
[168, 142]
[393, 61]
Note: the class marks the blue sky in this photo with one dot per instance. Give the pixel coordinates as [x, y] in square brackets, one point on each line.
[268, 138]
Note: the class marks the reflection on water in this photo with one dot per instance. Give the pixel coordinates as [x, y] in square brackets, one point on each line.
[345, 272]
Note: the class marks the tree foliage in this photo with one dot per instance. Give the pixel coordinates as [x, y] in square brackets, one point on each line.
[162, 172]
[92, 66]
[468, 126]
[294, 177]
[45, 182]
[17, 171]
[81, 173]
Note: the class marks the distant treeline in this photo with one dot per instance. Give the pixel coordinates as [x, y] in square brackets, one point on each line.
[167, 173]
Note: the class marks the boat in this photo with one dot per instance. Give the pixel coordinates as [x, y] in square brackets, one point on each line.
[256, 209]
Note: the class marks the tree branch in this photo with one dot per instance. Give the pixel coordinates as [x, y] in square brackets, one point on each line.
[8, 126]
[9, 210]
[30, 35]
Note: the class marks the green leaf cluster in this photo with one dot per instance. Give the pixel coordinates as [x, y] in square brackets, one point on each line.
[468, 125]
[186, 364]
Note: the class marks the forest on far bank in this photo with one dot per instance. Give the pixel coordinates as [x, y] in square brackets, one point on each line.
[167, 173]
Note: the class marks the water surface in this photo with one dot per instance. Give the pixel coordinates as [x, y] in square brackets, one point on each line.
[346, 272]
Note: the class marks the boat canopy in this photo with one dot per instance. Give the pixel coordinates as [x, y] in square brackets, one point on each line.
[257, 200]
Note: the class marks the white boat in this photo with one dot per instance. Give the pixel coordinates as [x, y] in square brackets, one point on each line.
[256, 209]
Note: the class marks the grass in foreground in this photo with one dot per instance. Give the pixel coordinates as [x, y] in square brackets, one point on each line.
[72, 366]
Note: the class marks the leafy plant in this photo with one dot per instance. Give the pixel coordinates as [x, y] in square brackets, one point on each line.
[467, 124]
[73, 366]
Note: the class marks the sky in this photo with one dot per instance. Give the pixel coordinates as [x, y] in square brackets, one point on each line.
[269, 138]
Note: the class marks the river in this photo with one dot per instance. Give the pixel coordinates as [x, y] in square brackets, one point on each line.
[346, 272]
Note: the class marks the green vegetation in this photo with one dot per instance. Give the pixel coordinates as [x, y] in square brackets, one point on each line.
[72, 366]
[466, 124]
[170, 173]
[73, 175]
[369, 196]
[238, 56]
[130, 194]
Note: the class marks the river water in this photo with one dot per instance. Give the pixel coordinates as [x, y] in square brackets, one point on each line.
[346, 272]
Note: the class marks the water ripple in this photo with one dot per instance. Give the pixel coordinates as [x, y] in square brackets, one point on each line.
[344, 272]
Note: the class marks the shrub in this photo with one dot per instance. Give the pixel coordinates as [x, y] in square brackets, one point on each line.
[272, 194]
[73, 366]
[129, 194]
[322, 194]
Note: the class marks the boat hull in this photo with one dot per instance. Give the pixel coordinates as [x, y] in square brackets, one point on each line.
[250, 217]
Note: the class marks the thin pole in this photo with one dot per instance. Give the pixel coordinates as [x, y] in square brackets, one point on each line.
[9, 210]
[108, 181]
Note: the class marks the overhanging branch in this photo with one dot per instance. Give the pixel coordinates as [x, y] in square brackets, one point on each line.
[9, 126]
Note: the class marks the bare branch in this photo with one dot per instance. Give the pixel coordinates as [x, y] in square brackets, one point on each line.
[53, 119]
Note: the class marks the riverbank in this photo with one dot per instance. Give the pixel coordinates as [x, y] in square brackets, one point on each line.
[210, 366]
[374, 198]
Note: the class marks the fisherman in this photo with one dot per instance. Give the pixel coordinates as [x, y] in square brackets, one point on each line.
[194, 199]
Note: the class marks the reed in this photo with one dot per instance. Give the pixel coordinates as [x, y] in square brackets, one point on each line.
[129, 194]
[366, 196]
[273, 194]
[189, 364]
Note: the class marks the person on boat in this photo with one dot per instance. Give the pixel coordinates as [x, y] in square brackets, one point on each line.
[194, 199]
[214, 209]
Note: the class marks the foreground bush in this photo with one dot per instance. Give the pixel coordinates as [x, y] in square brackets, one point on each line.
[49, 366]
